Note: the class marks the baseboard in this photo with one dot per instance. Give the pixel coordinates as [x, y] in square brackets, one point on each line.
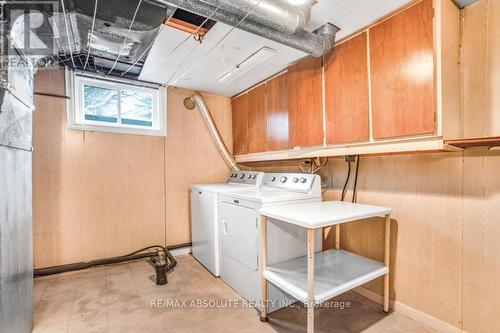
[182, 251]
[432, 322]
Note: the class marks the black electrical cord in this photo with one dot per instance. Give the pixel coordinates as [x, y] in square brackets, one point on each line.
[346, 181]
[355, 190]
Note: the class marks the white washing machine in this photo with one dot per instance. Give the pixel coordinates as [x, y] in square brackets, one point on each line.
[204, 215]
[239, 221]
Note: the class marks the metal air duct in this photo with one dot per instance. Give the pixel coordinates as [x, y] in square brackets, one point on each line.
[16, 233]
[316, 44]
[197, 100]
[279, 16]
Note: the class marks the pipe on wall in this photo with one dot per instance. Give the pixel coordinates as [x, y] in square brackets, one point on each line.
[197, 100]
[316, 44]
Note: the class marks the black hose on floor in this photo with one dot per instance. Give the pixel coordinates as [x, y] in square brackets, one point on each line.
[163, 263]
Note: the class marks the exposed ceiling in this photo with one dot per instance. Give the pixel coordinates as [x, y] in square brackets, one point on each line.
[111, 36]
[177, 59]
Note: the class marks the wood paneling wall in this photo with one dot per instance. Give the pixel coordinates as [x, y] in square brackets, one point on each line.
[191, 157]
[98, 194]
[481, 69]
[481, 107]
[481, 246]
[95, 195]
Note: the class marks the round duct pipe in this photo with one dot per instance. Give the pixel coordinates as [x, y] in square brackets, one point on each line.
[197, 100]
[281, 16]
[316, 44]
[189, 104]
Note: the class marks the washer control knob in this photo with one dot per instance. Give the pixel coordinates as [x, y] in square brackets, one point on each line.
[242, 176]
[283, 179]
[295, 180]
[254, 176]
[303, 180]
[273, 178]
[249, 176]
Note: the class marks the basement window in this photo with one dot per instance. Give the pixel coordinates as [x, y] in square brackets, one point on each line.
[116, 106]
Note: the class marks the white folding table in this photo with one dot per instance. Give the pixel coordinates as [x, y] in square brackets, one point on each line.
[317, 277]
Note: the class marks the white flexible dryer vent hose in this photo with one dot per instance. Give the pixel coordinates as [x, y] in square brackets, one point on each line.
[212, 128]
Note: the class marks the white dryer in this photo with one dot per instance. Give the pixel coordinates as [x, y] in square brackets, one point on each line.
[204, 215]
[240, 233]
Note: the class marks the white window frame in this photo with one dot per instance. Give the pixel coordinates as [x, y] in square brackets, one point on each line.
[76, 114]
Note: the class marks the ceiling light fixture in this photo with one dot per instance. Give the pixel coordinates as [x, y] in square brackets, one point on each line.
[249, 63]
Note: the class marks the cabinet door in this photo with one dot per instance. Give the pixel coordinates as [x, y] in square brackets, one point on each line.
[305, 101]
[402, 73]
[240, 124]
[277, 113]
[346, 92]
[257, 119]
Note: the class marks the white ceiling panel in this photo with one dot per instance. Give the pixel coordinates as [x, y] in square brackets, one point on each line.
[351, 15]
[198, 66]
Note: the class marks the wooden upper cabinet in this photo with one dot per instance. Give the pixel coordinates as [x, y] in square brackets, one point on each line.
[305, 102]
[277, 113]
[402, 73]
[346, 92]
[240, 106]
[257, 119]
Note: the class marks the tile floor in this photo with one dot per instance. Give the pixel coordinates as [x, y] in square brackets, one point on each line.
[119, 298]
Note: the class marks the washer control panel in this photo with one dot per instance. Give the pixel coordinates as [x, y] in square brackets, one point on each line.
[301, 182]
[246, 177]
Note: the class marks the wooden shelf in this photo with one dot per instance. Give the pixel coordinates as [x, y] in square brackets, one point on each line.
[389, 147]
[475, 142]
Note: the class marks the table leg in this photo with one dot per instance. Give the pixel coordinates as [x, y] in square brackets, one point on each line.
[310, 280]
[387, 244]
[337, 237]
[263, 309]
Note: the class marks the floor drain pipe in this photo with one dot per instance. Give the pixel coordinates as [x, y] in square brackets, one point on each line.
[196, 100]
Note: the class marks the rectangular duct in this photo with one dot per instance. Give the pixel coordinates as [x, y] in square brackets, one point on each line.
[16, 249]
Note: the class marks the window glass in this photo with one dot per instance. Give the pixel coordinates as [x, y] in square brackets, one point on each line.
[100, 104]
[117, 106]
[136, 108]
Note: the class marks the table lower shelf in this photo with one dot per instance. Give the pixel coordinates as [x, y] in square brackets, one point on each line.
[335, 272]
